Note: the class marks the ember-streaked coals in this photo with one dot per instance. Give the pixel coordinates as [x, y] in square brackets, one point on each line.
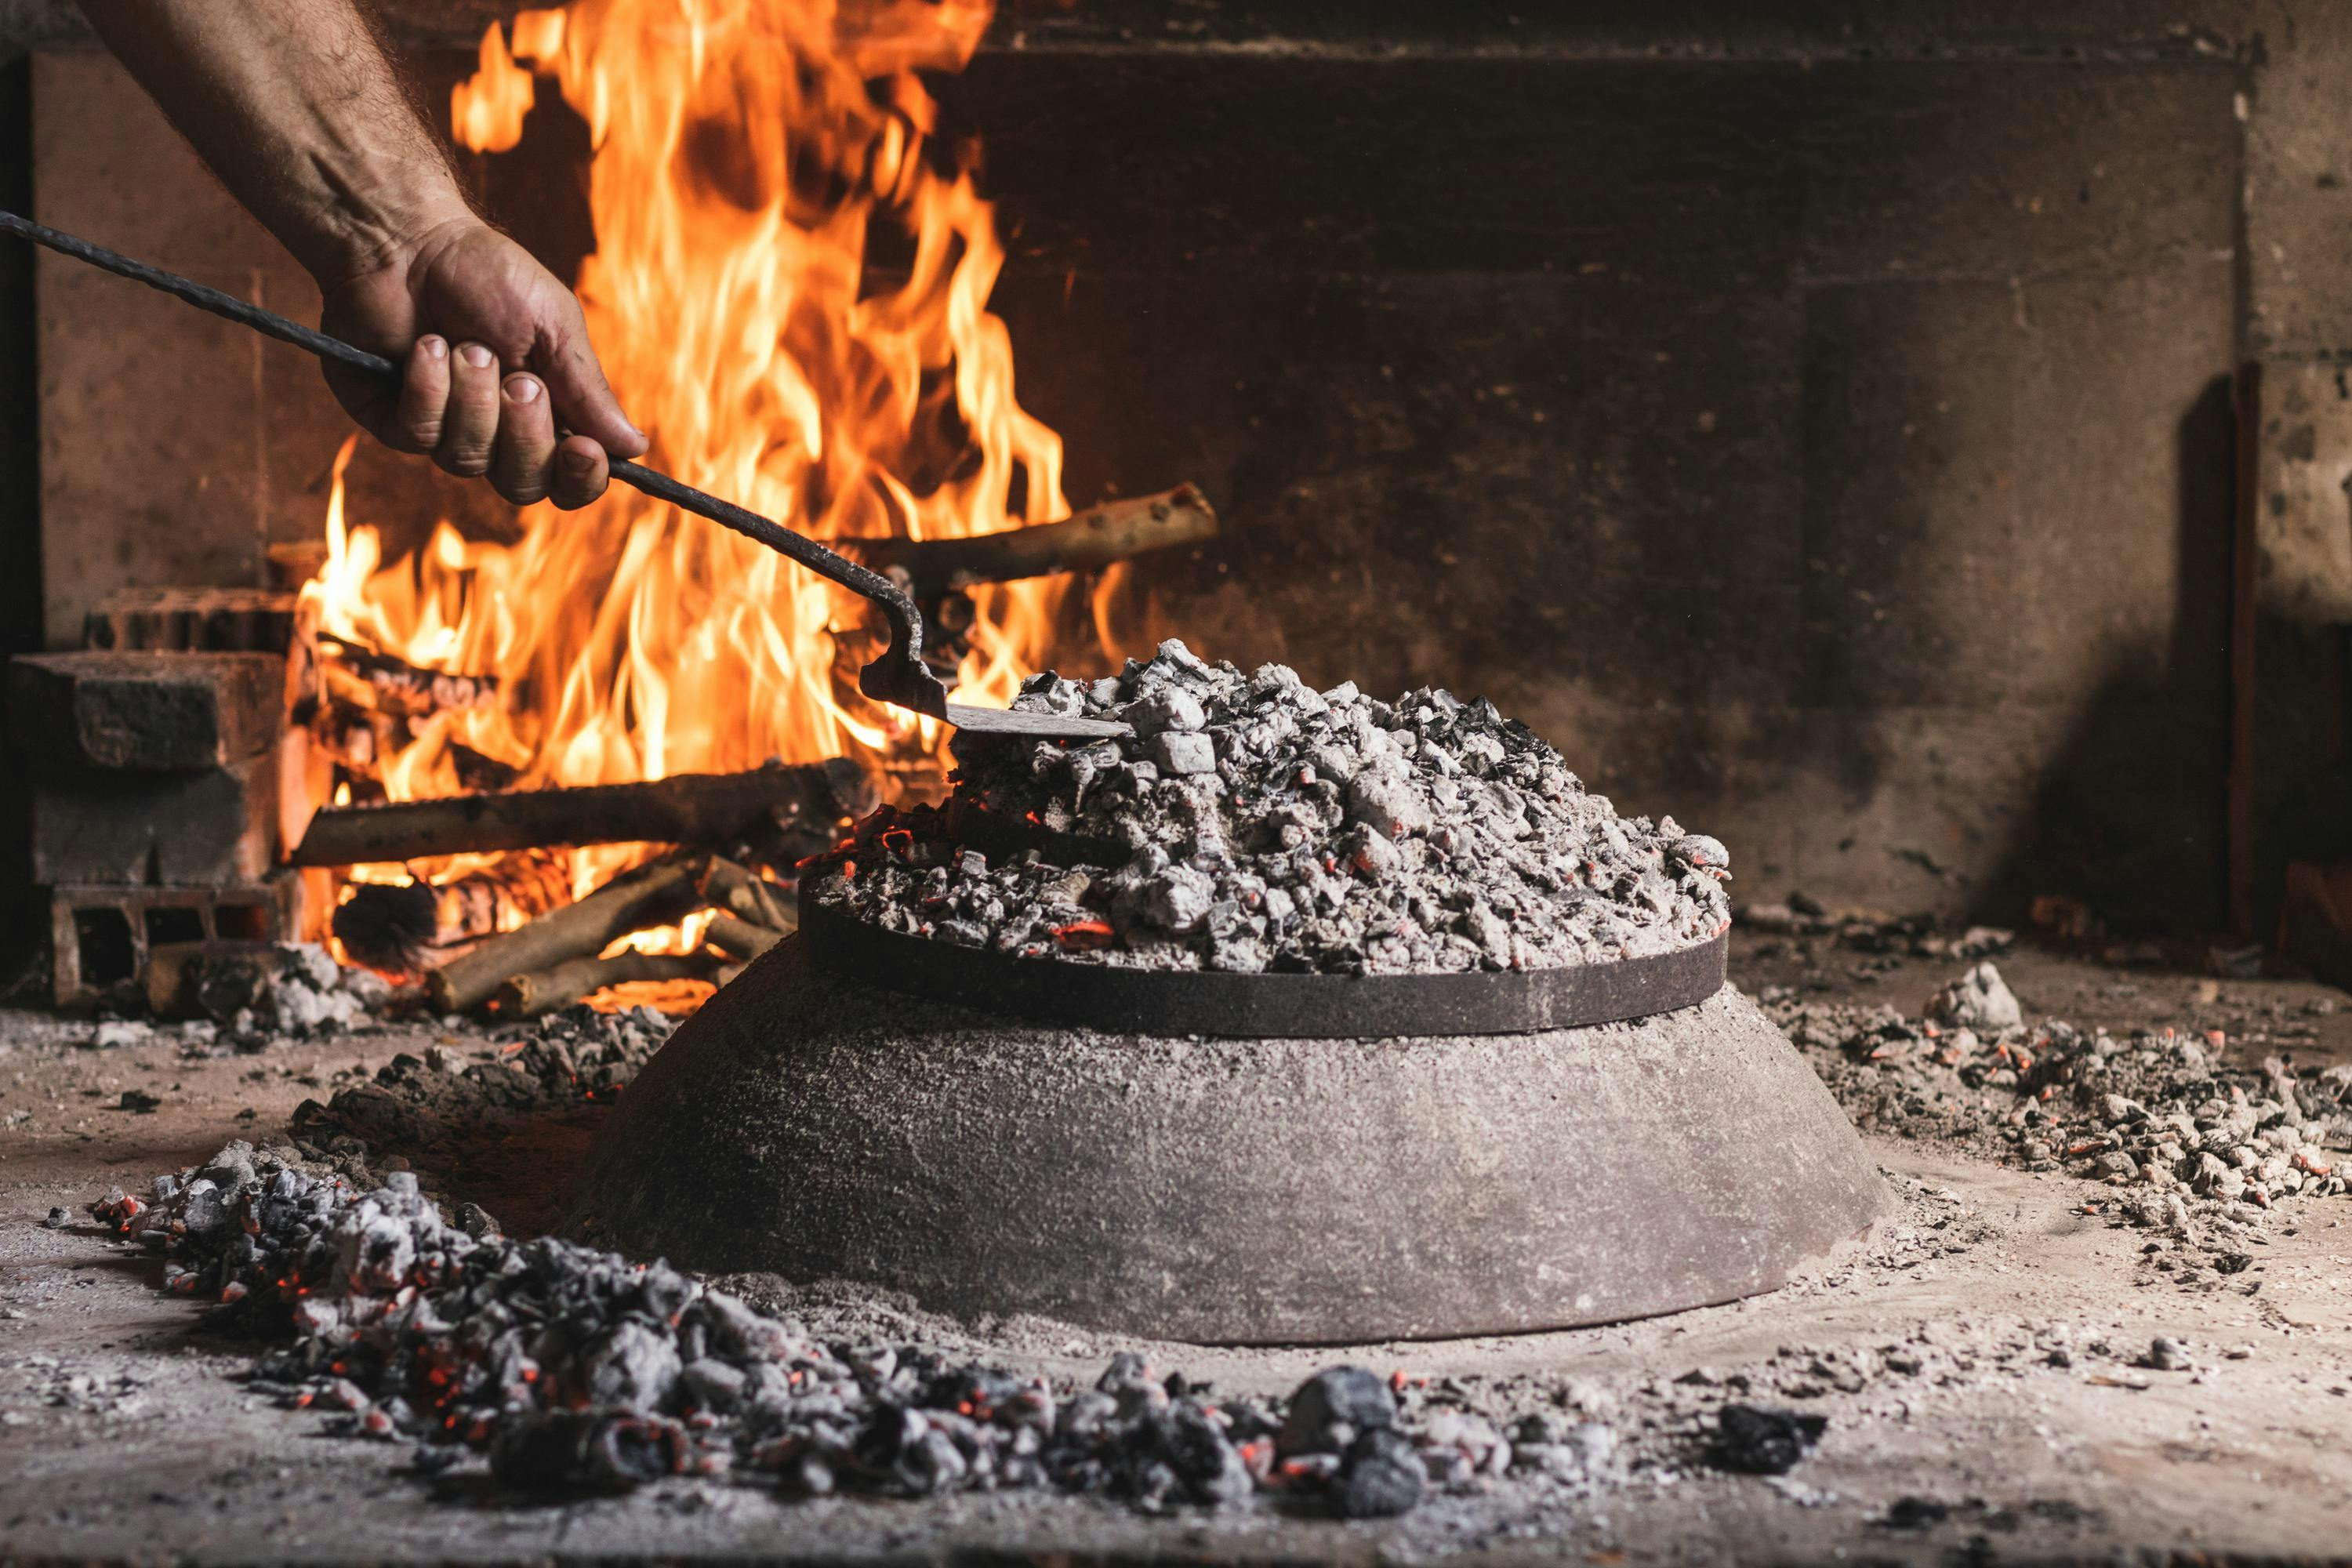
[579, 1371]
[1252, 823]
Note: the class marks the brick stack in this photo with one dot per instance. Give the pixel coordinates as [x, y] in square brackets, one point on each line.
[157, 784]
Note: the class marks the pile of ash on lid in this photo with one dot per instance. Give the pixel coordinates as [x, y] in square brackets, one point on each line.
[1252, 823]
[579, 1371]
[2158, 1114]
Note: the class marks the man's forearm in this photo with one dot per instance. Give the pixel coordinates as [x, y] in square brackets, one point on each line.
[293, 104]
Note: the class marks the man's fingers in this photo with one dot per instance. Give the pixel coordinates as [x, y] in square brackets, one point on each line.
[470, 426]
[424, 402]
[581, 473]
[524, 454]
[583, 400]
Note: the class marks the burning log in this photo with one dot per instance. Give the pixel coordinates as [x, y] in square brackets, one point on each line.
[690, 808]
[1098, 536]
[397, 686]
[751, 900]
[553, 990]
[741, 938]
[649, 896]
[399, 926]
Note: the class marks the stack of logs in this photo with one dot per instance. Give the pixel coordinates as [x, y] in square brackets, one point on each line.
[551, 957]
[554, 962]
[521, 948]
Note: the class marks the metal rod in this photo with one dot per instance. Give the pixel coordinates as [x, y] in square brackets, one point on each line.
[906, 683]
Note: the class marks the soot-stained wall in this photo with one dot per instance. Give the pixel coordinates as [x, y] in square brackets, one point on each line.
[1835, 453]
[1819, 428]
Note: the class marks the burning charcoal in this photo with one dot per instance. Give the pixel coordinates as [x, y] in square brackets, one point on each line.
[1387, 804]
[1760, 1440]
[1181, 1452]
[625, 1451]
[1381, 1477]
[905, 1454]
[1250, 824]
[1332, 1408]
[631, 1365]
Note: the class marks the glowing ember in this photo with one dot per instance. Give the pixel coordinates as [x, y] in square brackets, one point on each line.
[749, 154]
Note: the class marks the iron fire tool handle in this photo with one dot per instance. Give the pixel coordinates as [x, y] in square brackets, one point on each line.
[905, 621]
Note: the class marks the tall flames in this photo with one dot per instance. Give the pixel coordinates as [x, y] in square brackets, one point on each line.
[789, 292]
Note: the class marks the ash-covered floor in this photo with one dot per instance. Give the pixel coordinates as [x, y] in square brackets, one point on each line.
[1987, 1366]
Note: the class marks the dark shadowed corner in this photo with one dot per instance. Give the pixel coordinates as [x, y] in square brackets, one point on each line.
[20, 533]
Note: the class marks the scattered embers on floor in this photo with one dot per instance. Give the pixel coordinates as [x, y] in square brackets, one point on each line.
[2190, 1142]
[580, 1371]
[1252, 823]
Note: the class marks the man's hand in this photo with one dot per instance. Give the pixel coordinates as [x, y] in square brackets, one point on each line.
[296, 106]
[493, 358]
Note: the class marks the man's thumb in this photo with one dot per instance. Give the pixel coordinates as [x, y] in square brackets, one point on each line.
[583, 399]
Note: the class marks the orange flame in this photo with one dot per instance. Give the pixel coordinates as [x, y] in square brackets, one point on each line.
[487, 114]
[749, 157]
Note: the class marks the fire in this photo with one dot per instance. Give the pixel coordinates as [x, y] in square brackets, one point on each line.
[789, 293]
[487, 112]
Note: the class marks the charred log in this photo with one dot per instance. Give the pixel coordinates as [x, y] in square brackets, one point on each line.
[395, 685]
[1096, 537]
[690, 808]
[649, 896]
[729, 886]
[740, 938]
[551, 991]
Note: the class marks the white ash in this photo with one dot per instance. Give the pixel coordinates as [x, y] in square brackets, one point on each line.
[1980, 1000]
[1252, 823]
[2158, 1114]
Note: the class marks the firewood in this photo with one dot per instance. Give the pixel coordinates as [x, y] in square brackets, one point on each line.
[395, 686]
[726, 886]
[690, 808]
[649, 896]
[1098, 536]
[553, 990]
[741, 938]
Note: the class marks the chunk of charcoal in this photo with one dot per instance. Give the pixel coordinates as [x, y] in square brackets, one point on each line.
[1762, 1440]
[58, 1219]
[1914, 1513]
[631, 1365]
[1176, 755]
[1171, 708]
[541, 1450]
[202, 1212]
[626, 1451]
[1332, 1408]
[1387, 803]
[1381, 1477]
[712, 1384]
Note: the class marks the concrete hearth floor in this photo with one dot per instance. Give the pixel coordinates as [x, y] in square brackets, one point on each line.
[125, 1435]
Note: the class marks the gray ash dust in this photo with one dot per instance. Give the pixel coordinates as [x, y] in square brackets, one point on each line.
[2188, 1141]
[1252, 823]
